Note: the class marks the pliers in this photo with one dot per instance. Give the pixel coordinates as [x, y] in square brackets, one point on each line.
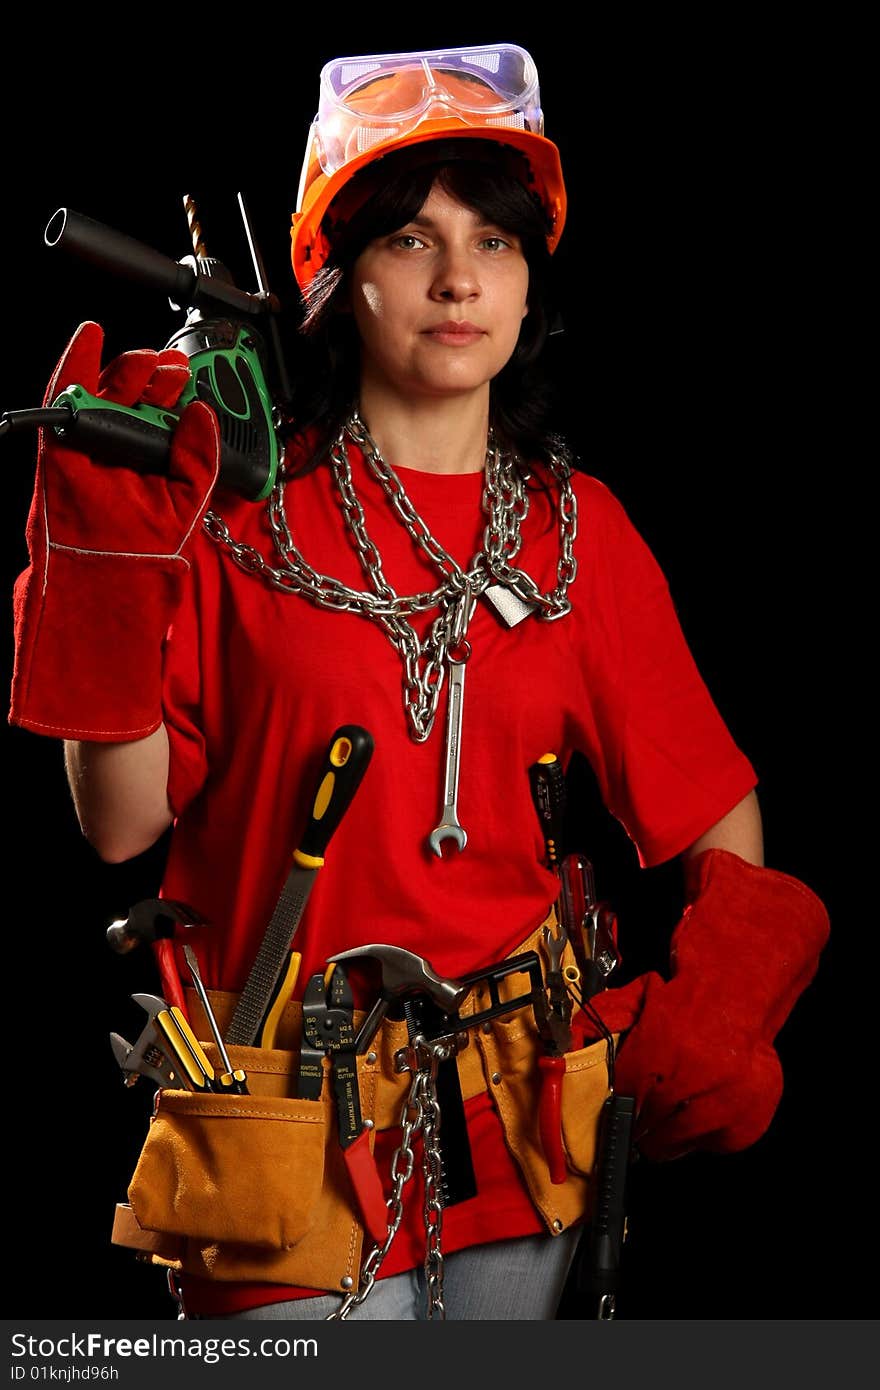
[555, 1032]
[328, 1030]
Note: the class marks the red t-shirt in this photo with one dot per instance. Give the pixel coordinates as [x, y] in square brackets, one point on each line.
[257, 679]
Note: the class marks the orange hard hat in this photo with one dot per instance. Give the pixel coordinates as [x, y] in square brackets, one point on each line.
[373, 105]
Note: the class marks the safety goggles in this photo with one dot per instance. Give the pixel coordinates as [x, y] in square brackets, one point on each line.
[369, 100]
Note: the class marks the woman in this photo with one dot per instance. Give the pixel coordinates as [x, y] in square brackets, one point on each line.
[430, 549]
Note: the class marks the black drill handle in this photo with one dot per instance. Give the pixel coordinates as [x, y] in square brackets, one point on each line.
[119, 437]
[124, 438]
[122, 255]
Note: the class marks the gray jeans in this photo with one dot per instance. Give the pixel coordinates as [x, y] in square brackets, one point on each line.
[518, 1279]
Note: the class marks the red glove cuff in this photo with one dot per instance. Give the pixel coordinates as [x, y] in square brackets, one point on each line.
[88, 648]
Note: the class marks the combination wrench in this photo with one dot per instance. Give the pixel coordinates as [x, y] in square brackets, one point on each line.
[449, 827]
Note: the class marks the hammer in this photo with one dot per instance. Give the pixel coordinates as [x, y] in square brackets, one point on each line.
[403, 973]
[155, 921]
[425, 996]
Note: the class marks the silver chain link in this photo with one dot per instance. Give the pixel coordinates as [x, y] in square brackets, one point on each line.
[420, 1114]
[505, 502]
[432, 1168]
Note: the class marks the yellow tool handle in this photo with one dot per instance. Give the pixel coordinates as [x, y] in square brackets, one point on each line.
[232, 1082]
[288, 980]
[345, 763]
[186, 1048]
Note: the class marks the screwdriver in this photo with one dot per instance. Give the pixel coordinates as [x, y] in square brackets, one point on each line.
[233, 1082]
[174, 1030]
[547, 781]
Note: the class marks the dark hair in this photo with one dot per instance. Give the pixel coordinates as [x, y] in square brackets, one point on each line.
[386, 195]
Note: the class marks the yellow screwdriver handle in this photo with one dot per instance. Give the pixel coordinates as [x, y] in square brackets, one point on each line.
[187, 1048]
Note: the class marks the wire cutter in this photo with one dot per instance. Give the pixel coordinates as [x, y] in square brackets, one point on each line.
[328, 1030]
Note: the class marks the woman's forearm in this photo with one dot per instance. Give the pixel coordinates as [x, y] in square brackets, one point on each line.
[740, 832]
[120, 793]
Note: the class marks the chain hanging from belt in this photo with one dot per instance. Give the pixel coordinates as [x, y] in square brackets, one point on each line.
[421, 1113]
[505, 502]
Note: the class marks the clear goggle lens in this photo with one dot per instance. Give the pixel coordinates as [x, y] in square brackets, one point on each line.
[365, 101]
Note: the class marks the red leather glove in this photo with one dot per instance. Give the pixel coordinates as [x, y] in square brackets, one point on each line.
[108, 557]
[699, 1057]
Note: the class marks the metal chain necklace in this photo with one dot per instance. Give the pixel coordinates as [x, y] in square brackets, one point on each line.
[505, 502]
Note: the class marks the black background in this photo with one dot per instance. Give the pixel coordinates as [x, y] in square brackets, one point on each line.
[695, 373]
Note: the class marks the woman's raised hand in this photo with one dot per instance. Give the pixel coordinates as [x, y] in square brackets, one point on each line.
[108, 550]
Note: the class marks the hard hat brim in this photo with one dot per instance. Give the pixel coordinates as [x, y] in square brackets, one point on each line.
[309, 245]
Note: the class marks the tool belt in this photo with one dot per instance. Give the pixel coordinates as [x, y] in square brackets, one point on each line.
[254, 1187]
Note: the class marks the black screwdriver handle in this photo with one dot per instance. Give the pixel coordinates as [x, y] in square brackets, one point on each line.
[345, 763]
[548, 793]
[609, 1217]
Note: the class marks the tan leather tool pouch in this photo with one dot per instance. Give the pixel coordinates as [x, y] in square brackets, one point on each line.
[254, 1188]
[510, 1049]
[247, 1187]
[247, 1169]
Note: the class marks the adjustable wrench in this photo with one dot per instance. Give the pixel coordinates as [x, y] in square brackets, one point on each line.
[143, 1058]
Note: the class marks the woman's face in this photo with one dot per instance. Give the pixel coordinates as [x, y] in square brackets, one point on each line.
[439, 303]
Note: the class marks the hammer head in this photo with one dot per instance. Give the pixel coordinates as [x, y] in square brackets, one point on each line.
[403, 973]
[150, 920]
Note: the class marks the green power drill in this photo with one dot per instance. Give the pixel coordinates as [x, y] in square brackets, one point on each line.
[229, 359]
